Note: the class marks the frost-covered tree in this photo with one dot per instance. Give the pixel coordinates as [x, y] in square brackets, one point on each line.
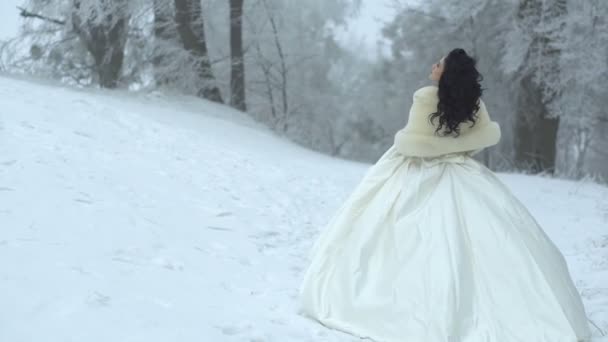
[291, 53]
[294, 81]
[556, 53]
[102, 27]
[99, 27]
[584, 98]
[533, 53]
[166, 41]
[191, 28]
[79, 40]
[135, 43]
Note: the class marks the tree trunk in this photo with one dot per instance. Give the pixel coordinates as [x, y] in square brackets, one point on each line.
[282, 66]
[536, 135]
[163, 35]
[266, 67]
[191, 29]
[105, 40]
[536, 129]
[237, 77]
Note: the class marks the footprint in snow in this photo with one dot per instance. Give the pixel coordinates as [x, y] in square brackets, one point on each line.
[168, 264]
[82, 200]
[27, 125]
[80, 270]
[83, 134]
[231, 330]
[222, 229]
[245, 262]
[269, 234]
[99, 300]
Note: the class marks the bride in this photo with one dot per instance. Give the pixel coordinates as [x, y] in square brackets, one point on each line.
[431, 246]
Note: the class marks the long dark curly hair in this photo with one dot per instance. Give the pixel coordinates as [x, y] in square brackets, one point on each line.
[459, 92]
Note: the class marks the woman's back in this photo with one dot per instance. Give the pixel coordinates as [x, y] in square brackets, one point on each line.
[419, 136]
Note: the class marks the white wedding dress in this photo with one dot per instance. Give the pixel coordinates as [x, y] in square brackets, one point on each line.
[439, 250]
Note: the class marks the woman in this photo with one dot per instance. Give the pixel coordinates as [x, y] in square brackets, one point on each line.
[432, 246]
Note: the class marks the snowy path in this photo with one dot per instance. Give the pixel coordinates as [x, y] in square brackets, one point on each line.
[139, 218]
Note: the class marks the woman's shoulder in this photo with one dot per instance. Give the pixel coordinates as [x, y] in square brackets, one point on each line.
[427, 92]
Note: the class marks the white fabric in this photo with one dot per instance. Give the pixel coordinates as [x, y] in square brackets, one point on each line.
[439, 250]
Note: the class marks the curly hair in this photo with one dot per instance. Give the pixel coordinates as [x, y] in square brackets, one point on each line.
[459, 92]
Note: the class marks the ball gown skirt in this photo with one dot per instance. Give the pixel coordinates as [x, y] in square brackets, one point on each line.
[439, 250]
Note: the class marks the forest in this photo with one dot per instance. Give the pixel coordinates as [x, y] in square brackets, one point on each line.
[544, 64]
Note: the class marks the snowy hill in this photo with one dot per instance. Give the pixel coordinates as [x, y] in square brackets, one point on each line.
[142, 218]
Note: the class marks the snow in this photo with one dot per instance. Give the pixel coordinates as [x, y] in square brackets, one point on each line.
[148, 217]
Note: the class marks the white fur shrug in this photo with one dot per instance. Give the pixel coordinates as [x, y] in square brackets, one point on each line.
[418, 137]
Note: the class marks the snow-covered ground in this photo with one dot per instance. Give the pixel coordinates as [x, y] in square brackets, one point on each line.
[147, 218]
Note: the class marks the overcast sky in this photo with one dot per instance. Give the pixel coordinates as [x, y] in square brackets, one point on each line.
[367, 26]
[9, 18]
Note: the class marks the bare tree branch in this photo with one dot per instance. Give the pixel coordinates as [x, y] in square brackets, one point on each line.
[27, 14]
